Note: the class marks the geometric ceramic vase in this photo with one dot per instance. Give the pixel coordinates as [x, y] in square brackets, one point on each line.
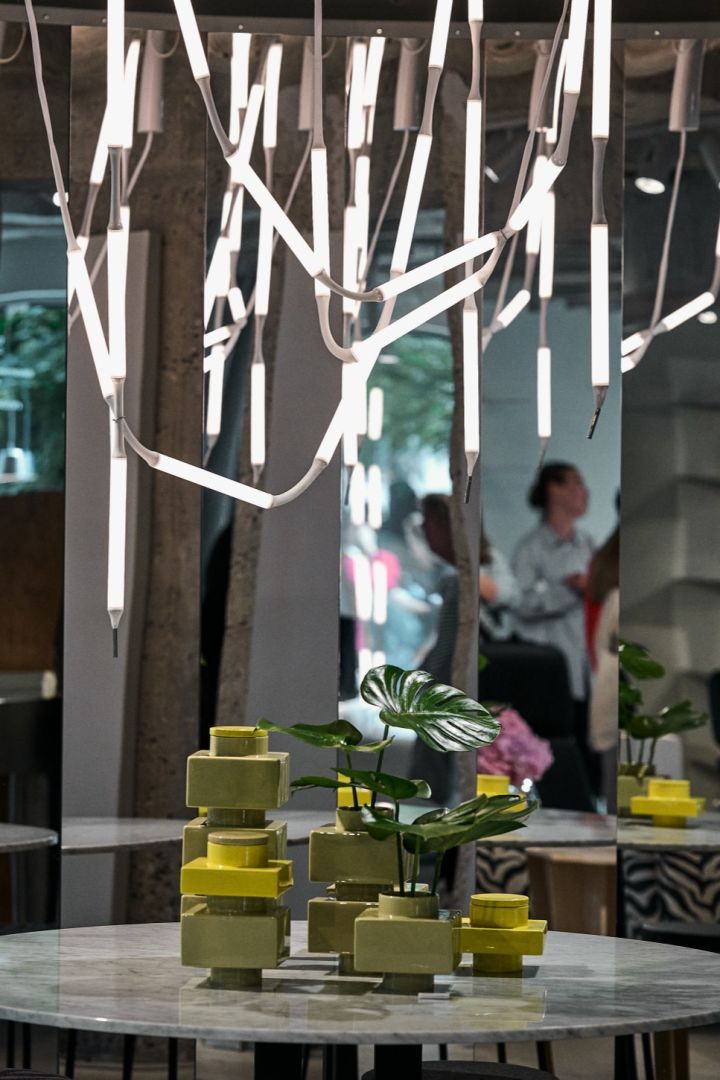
[668, 802]
[492, 784]
[409, 940]
[629, 784]
[499, 932]
[357, 869]
[235, 868]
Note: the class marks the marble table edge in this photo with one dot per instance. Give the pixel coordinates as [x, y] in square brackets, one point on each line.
[543, 1033]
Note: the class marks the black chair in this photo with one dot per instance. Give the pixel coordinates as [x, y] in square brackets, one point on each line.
[533, 679]
[30, 794]
[476, 1070]
[714, 703]
[691, 935]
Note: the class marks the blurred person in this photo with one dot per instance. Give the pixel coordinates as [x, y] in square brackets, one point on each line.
[438, 769]
[498, 592]
[551, 569]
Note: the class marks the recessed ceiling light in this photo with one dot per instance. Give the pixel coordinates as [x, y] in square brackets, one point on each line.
[649, 185]
[708, 318]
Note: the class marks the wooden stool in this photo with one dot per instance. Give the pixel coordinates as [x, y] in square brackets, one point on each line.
[574, 890]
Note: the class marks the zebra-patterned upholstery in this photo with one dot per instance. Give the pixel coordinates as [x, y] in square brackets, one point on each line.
[663, 886]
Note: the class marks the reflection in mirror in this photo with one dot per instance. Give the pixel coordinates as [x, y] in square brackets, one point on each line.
[32, 500]
[549, 548]
[670, 470]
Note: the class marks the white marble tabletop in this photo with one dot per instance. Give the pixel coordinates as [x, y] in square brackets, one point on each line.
[92, 835]
[129, 979]
[24, 838]
[700, 834]
[560, 828]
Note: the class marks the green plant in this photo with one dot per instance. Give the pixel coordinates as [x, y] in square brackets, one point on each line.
[444, 718]
[637, 665]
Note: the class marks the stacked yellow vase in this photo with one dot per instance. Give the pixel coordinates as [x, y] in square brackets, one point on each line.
[235, 867]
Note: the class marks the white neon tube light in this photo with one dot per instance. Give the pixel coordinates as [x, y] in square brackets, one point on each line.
[357, 495]
[512, 309]
[355, 114]
[602, 47]
[411, 278]
[117, 255]
[533, 201]
[471, 400]
[375, 497]
[380, 591]
[544, 393]
[577, 29]
[376, 404]
[216, 374]
[191, 38]
[630, 344]
[196, 475]
[129, 91]
[320, 213]
[239, 81]
[473, 134]
[411, 205]
[272, 94]
[687, 311]
[239, 159]
[257, 415]
[599, 305]
[441, 29]
[216, 337]
[264, 265]
[115, 72]
[217, 281]
[117, 516]
[236, 304]
[547, 248]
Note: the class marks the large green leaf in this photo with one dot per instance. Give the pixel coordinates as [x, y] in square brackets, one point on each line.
[339, 735]
[637, 661]
[443, 717]
[396, 787]
[441, 830]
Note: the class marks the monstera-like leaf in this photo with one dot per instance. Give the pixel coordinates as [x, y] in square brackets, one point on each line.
[441, 830]
[637, 661]
[340, 735]
[443, 717]
[395, 787]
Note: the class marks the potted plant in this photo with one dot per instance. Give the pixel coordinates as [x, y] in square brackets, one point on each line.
[356, 855]
[642, 728]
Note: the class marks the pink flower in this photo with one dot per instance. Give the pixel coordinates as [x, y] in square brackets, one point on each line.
[517, 752]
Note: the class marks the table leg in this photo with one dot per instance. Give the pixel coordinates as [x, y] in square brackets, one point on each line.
[672, 1055]
[625, 1063]
[70, 1051]
[545, 1056]
[278, 1060]
[392, 1062]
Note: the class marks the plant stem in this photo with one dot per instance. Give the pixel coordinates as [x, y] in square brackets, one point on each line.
[378, 767]
[348, 759]
[436, 874]
[653, 747]
[398, 844]
[415, 871]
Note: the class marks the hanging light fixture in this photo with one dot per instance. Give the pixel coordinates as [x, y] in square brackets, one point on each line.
[599, 236]
[684, 116]
[360, 354]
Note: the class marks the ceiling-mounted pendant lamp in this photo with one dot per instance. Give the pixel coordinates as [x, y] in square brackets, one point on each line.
[599, 235]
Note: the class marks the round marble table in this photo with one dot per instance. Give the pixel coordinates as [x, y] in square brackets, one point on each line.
[129, 979]
[700, 834]
[14, 838]
[93, 835]
[560, 828]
